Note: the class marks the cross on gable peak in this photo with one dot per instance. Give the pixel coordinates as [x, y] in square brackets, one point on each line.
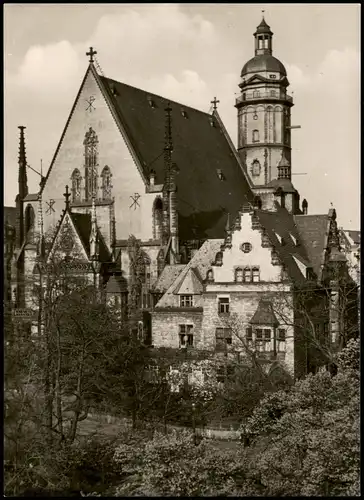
[215, 102]
[91, 53]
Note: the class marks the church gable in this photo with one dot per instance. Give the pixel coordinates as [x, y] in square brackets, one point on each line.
[94, 157]
[67, 242]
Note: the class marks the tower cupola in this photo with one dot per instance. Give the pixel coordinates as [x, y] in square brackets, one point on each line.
[263, 39]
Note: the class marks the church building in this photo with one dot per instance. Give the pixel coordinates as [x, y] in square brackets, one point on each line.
[222, 229]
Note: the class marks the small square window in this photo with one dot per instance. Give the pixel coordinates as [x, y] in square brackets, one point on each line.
[224, 305]
[186, 301]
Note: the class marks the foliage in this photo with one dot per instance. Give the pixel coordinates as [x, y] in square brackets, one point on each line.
[308, 438]
[171, 465]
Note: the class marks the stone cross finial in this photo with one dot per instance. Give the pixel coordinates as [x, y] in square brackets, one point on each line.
[214, 103]
[91, 53]
[67, 195]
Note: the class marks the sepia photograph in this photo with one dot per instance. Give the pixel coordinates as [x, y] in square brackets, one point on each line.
[181, 300]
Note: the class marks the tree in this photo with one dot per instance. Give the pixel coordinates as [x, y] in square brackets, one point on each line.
[307, 438]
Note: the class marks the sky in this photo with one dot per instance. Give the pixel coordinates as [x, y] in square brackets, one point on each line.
[191, 53]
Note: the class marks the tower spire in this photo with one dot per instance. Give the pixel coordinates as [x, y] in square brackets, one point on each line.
[22, 162]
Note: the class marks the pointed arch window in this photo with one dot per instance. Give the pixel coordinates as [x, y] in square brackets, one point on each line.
[158, 219]
[106, 183]
[91, 153]
[29, 218]
[76, 185]
[255, 135]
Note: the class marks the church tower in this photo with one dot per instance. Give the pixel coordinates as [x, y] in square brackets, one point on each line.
[264, 111]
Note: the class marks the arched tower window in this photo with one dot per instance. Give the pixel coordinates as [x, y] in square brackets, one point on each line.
[255, 135]
[29, 218]
[90, 143]
[106, 183]
[76, 185]
[157, 219]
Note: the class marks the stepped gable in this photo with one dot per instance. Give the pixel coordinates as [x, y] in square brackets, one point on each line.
[282, 223]
[210, 182]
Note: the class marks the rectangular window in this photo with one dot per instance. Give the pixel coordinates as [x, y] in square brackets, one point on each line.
[186, 301]
[247, 275]
[259, 334]
[224, 305]
[273, 93]
[256, 274]
[223, 338]
[186, 335]
[267, 334]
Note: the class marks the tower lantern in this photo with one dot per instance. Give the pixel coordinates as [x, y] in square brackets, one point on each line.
[263, 39]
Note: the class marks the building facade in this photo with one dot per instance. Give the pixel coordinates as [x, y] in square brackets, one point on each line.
[220, 229]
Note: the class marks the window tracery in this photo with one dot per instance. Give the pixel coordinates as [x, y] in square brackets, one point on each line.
[106, 183]
[91, 153]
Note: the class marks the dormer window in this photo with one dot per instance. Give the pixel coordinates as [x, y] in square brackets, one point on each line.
[184, 113]
[220, 174]
[255, 135]
[151, 102]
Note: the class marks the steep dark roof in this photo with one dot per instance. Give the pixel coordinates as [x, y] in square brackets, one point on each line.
[282, 223]
[264, 315]
[313, 231]
[285, 184]
[200, 148]
[10, 215]
[82, 224]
